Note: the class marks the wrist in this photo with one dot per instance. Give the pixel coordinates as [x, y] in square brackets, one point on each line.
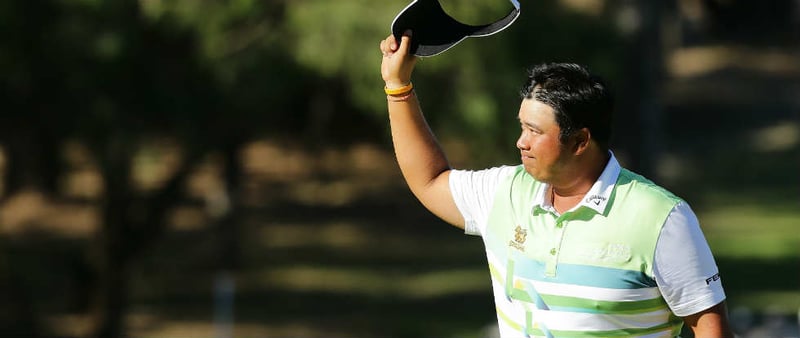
[394, 84]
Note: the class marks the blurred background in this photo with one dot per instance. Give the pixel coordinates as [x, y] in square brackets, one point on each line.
[200, 168]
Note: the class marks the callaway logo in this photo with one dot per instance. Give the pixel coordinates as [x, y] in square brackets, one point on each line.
[596, 199]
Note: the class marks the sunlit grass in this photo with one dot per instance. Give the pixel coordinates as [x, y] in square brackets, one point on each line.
[756, 231]
[752, 232]
[776, 301]
[383, 259]
[369, 281]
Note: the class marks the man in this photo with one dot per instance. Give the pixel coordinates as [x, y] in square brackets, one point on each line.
[576, 245]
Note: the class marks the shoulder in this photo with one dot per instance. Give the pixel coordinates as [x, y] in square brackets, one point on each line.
[490, 176]
[644, 190]
[473, 192]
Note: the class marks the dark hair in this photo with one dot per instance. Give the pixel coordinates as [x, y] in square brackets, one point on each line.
[579, 99]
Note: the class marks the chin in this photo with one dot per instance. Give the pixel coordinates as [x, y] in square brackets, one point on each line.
[537, 175]
[531, 172]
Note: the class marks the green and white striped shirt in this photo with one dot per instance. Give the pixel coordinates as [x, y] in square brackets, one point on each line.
[629, 260]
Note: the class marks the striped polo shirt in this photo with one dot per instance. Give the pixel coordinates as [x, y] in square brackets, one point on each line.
[585, 273]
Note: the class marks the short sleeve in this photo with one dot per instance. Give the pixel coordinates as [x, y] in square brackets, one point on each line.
[473, 193]
[684, 267]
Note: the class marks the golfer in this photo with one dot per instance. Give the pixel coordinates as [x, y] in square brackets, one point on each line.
[577, 246]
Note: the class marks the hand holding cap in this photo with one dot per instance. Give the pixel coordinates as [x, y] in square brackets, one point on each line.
[397, 63]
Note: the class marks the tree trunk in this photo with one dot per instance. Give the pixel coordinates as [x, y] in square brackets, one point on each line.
[640, 109]
[110, 298]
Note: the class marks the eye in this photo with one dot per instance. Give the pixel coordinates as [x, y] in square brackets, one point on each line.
[530, 129]
[527, 127]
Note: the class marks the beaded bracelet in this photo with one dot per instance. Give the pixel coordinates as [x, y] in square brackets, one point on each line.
[402, 98]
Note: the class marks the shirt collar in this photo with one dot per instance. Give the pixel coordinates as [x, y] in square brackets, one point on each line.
[596, 198]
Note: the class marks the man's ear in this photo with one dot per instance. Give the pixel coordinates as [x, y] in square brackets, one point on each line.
[581, 140]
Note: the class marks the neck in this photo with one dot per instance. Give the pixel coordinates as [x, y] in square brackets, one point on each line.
[577, 182]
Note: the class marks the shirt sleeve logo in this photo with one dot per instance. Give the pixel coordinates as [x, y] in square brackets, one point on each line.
[713, 278]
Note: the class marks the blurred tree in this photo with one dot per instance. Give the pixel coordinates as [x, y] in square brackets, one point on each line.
[765, 23]
[114, 76]
[210, 76]
[472, 92]
[639, 113]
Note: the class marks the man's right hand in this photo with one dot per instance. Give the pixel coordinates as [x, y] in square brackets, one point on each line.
[397, 64]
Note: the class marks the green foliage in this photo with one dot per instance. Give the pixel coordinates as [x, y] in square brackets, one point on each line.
[260, 60]
[477, 12]
[340, 39]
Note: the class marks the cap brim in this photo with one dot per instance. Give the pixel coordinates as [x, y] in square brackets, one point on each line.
[434, 31]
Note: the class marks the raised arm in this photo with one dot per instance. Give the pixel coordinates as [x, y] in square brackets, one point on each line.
[421, 159]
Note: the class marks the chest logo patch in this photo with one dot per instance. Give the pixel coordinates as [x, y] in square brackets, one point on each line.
[520, 235]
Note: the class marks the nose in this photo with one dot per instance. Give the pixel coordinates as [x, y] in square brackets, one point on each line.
[522, 143]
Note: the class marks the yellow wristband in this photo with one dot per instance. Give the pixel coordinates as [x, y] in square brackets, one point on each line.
[399, 91]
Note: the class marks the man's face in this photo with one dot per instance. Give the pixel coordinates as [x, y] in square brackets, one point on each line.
[541, 151]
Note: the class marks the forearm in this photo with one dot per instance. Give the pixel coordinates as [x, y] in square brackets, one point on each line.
[421, 159]
[418, 153]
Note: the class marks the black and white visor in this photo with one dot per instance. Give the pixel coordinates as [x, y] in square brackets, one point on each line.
[435, 31]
